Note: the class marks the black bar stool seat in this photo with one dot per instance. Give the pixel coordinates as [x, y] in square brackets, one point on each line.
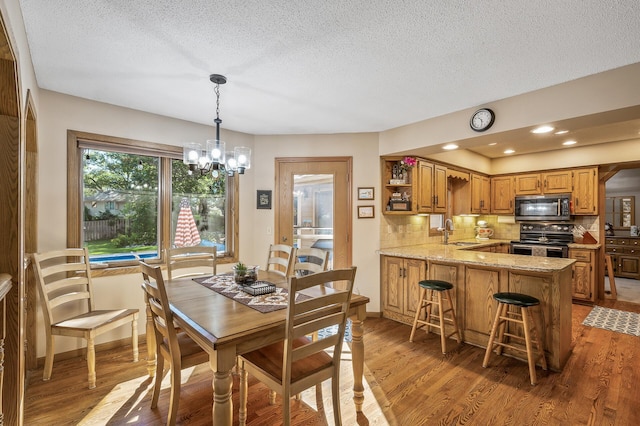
[523, 317]
[516, 299]
[429, 288]
[436, 285]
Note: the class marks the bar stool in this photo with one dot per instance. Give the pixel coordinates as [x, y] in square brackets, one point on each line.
[429, 288]
[525, 318]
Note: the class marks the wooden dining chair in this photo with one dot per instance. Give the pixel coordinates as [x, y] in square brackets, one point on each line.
[174, 346]
[310, 261]
[298, 363]
[181, 258]
[64, 278]
[280, 259]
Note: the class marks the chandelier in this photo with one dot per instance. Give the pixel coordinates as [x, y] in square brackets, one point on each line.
[213, 157]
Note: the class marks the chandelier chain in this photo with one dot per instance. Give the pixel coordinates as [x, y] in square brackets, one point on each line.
[217, 90]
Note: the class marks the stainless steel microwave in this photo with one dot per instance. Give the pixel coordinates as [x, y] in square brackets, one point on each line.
[543, 207]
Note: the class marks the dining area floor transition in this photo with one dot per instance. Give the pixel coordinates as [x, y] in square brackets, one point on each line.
[404, 383]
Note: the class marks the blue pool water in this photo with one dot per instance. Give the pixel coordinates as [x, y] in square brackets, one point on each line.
[121, 257]
[152, 255]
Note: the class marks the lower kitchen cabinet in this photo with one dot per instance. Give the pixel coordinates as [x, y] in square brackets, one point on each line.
[584, 274]
[400, 290]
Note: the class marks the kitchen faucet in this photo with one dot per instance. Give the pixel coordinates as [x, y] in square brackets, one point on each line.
[446, 231]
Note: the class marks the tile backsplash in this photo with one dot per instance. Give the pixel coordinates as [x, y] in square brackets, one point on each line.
[399, 231]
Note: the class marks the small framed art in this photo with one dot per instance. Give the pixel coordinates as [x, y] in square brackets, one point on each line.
[366, 193]
[263, 199]
[365, 212]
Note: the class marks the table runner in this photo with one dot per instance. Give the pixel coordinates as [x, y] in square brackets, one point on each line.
[225, 285]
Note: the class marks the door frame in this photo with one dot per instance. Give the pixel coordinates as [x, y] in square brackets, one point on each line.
[347, 202]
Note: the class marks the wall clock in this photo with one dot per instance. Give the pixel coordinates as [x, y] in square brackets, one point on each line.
[482, 119]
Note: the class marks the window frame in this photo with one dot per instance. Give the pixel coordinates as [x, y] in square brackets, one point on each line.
[166, 153]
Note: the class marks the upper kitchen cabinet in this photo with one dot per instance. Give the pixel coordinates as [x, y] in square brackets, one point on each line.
[557, 182]
[502, 194]
[480, 194]
[398, 187]
[585, 191]
[432, 188]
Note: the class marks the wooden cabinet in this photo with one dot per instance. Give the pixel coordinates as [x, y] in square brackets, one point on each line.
[585, 191]
[399, 279]
[392, 184]
[625, 256]
[480, 194]
[528, 184]
[426, 196]
[503, 248]
[480, 285]
[556, 182]
[431, 188]
[440, 189]
[581, 183]
[502, 195]
[584, 275]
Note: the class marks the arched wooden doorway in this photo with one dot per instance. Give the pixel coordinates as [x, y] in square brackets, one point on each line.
[11, 227]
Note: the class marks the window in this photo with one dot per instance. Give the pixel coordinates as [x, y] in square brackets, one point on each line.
[130, 200]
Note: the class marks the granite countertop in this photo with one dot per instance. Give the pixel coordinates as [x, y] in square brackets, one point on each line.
[467, 255]
[585, 246]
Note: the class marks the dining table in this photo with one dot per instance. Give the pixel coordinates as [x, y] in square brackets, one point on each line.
[226, 328]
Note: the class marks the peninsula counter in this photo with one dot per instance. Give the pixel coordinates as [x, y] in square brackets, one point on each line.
[476, 276]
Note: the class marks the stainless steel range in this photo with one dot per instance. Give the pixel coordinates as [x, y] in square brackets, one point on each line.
[543, 239]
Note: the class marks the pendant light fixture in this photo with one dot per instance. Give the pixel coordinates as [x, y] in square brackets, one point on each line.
[213, 157]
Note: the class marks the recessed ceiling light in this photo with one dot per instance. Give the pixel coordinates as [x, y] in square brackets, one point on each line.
[561, 132]
[493, 143]
[509, 151]
[542, 129]
[569, 143]
[450, 146]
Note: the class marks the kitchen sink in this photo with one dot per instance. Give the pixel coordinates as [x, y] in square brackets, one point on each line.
[464, 243]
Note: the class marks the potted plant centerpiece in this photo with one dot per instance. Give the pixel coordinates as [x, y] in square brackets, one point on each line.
[244, 275]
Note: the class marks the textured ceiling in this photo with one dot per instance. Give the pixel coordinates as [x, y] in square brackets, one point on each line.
[310, 66]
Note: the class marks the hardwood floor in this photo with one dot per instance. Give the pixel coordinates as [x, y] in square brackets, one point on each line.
[406, 384]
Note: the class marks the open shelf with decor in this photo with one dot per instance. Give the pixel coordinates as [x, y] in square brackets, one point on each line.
[398, 185]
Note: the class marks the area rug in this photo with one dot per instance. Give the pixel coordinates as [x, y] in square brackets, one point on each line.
[614, 320]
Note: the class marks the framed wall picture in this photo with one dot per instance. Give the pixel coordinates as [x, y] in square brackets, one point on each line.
[263, 199]
[365, 212]
[366, 193]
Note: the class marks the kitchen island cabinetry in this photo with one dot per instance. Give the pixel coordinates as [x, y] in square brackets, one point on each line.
[401, 291]
[625, 256]
[476, 276]
[584, 274]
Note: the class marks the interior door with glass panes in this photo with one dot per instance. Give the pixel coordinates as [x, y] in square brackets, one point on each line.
[312, 205]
